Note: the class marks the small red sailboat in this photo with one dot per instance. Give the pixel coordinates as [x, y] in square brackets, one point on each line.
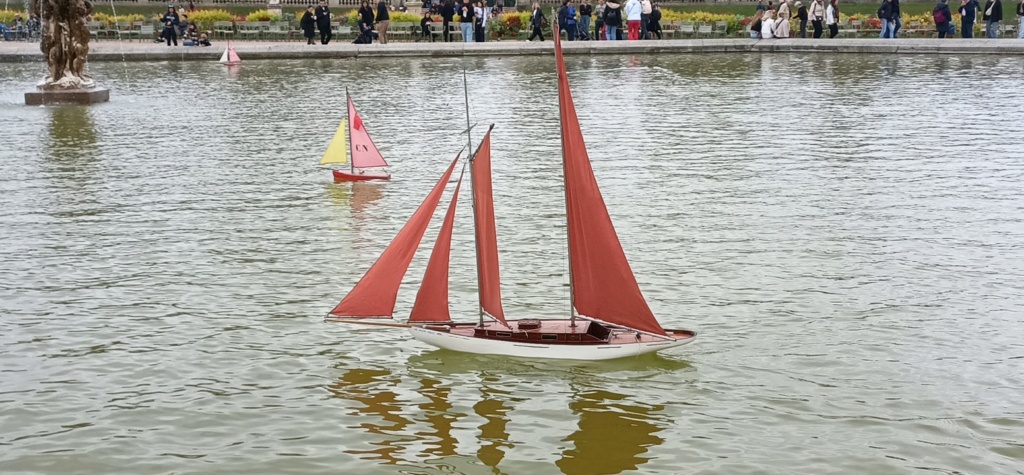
[230, 57]
[366, 162]
[608, 317]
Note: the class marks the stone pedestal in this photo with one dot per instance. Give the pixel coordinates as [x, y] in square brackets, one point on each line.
[67, 96]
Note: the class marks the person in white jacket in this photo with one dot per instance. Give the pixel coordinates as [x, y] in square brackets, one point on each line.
[767, 25]
[645, 17]
[633, 15]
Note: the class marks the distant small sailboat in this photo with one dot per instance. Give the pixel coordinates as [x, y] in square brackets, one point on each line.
[230, 57]
[366, 161]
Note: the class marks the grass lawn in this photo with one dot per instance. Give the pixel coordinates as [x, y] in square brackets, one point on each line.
[906, 8]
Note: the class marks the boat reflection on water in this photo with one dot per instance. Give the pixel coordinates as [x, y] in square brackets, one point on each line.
[613, 433]
[355, 195]
[448, 414]
[380, 409]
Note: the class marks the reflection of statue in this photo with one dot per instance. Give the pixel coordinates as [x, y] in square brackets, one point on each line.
[65, 42]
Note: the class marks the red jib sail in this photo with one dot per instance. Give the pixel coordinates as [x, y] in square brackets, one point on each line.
[432, 299]
[375, 294]
[486, 232]
[604, 286]
[364, 152]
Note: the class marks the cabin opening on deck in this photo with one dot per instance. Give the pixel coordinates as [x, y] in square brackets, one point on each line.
[598, 331]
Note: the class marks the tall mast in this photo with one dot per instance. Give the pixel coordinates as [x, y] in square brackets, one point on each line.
[472, 182]
[565, 192]
[351, 156]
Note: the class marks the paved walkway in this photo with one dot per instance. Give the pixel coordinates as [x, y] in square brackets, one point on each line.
[11, 51]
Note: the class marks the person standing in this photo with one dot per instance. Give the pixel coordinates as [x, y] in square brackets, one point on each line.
[599, 20]
[968, 14]
[760, 7]
[942, 16]
[645, 17]
[801, 13]
[885, 14]
[654, 24]
[633, 12]
[832, 18]
[447, 15]
[170, 21]
[383, 18]
[537, 22]
[612, 20]
[466, 22]
[897, 19]
[817, 17]
[782, 23]
[480, 15]
[585, 11]
[1020, 19]
[567, 20]
[307, 24]
[323, 22]
[993, 15]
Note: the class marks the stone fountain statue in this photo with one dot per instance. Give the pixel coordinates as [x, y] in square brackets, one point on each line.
[65, 45]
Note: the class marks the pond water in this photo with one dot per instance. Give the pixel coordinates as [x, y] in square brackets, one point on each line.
[844, 232]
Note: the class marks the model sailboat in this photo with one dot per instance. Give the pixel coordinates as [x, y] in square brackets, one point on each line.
[230, 57]
[608, 318]
[366, 162]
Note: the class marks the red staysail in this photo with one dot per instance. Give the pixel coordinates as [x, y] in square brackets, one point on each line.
[364, 152]
[375, 294]
[604, 286]
[486, 232]
[432, 299]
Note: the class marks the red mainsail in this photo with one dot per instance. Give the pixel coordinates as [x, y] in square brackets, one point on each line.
[375, 294]
[486, 232]
[364, 151]
[604, 286]
[432, 299]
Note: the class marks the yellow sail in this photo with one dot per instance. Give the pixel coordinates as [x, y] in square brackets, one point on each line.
[337, 150]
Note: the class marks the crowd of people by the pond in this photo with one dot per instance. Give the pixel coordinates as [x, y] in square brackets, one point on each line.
[772, 21]
[21, 28]
[176, 25]
[611, 20]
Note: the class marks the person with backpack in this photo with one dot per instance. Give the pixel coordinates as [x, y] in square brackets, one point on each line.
[885, 14]
[781, 28]
[633, 13]
[817, 14]
[968, 14]
[993, 15]
[612, 20]
[942, 16]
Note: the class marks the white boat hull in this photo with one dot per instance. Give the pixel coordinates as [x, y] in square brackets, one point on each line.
[603, 351]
